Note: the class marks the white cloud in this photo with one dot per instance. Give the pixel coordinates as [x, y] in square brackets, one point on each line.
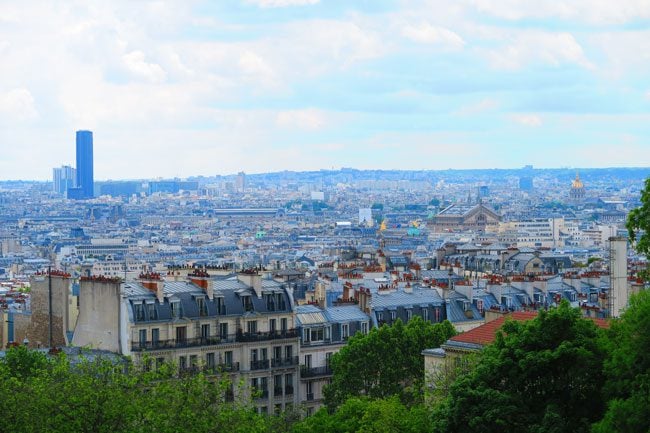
[590, 11]
[530, 47]
[302, 119]
[479, 107]
[427, 34]
[647, 95]
[530, 120]
[137, 65]
[281, 3]
[18, 104]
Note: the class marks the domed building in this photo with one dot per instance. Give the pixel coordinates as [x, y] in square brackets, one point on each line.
[577, 193]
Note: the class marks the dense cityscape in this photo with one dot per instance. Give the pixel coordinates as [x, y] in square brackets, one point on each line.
[265, 277]
[310, 216]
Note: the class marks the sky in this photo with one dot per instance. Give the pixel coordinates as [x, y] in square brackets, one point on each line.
[183, 88]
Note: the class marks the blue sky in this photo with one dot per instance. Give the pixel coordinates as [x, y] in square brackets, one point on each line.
[183, 88]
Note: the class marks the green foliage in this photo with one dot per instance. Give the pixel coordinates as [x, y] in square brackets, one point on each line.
[385, 362]
[366, 415]
[101, 395]
[544, 375]
[627, 369]
[638, 222]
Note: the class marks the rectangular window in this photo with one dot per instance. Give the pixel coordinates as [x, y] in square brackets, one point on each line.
[277, 385]
[306, 335]
[209, 360]
[251, 326]
[364, 327]
[345, 331]
[182, 363]
[247, 303]
[181, 334]
[227, 357]
[139, 312]
[205, 331]
[159, 362]
[425, 314]
[175, 308]
[280, 302]
[202, 306]
[436, 314]
[380, 316]
[277, 352]
[393, 315]
[317, 334]
[288, 352]
[307, 361]
[288, 384]
[270, 303]
[223, 330]
[194, 361]
[254, 355]
[272, 325]
[155, 336]
[143, 337]
[221, 306]
[328, 358]
[409, 314]
[283, 324]
[264, 354]
[152, 312]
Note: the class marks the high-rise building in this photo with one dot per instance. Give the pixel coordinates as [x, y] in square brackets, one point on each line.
[240, 182]
[85, 181]
[63, 178]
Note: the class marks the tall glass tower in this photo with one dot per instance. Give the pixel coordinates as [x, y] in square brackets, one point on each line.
[85, 180]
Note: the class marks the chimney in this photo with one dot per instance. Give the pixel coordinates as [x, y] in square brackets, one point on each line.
[346, 291]
[320, 294]
[154, 283]
[465, 288]
[253, 279]
[202, 279]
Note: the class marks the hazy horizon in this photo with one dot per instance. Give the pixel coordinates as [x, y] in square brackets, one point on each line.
[183, 88]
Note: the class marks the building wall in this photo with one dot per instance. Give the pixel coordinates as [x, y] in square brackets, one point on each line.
[36, 330]
[99, 315]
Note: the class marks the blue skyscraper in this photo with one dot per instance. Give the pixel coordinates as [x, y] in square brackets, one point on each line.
[85, 180]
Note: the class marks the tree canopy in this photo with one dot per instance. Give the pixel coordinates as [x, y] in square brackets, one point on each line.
[385, 362]
[544, 375]
[638, 224]
[627, 370]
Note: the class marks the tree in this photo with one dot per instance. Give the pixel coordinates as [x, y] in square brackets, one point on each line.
[627, 369]
[638, 223]
[100, 394]
[385, 362]
[360, 414]
[544, 375]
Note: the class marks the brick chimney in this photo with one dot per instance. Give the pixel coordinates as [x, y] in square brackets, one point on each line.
[153, 282]
[202, 279]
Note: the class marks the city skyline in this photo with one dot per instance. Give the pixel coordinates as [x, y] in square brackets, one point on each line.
[178, 89]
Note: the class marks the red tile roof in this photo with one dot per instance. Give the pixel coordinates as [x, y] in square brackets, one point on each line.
[486, 334]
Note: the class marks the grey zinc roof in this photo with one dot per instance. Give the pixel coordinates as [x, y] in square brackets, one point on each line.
[401, 298]
[346, 313]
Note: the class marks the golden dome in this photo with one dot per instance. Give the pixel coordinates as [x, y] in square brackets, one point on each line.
[577, 183]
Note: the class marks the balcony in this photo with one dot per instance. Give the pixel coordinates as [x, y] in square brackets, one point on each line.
[284, 362]
[262, 364]
[223, 368]
[246, 337]
[177, 344]
[315, 372]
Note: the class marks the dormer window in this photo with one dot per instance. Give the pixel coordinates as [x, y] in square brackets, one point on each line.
[221, 305]
[247, 303]
[138, 310]
[152, 312]
[202, 306]
[270, 302]
[175, 307]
